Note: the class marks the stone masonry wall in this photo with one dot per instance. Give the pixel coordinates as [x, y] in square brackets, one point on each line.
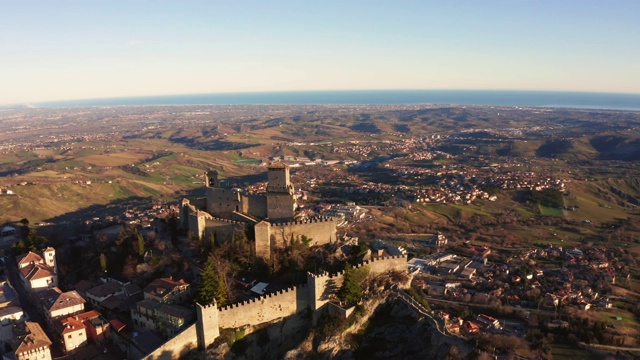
[324, 285]
[222, 228]
[176, 347]
[266, 308]
[321, 231]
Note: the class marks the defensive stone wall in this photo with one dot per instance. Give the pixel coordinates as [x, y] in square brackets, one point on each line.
[266, 308]
[321, 230]
[222, 228]
[270, 307]
[222, 202]
[280, 206]
[324, 286]
[177, 347]
[254, 204]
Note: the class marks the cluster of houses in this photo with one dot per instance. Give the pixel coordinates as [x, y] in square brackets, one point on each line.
[449, 265]
[481, 324]
[75, 323]
[582, 282]
[144, 217]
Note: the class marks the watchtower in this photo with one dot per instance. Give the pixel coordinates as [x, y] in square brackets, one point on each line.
[279, 179]
[211, 179]
[207, 327]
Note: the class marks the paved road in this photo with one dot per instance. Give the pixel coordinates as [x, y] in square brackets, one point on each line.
[532, 311]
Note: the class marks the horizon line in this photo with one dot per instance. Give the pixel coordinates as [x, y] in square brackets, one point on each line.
[232, 93]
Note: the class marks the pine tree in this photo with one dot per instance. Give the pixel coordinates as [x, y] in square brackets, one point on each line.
[206, 290]
[220, 291]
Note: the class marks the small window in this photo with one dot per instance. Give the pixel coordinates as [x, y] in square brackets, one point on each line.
[69, 336]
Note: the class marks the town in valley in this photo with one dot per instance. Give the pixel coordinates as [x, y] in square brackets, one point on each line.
[319, 231]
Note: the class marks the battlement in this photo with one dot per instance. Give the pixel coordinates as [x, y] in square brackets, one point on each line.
[208, 216]
[276, 305]
[390, 257]
[376, 261]
[260, 299]
[207, 306]
[315, 220]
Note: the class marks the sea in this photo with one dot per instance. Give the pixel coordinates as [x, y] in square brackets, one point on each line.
[547, 99]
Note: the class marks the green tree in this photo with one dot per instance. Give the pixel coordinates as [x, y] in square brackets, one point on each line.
[213, 285]
[352, 286]
[206, 290]
[306, 240]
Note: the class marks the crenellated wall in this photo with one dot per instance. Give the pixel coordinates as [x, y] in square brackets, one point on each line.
[265, 308]
[324, 286]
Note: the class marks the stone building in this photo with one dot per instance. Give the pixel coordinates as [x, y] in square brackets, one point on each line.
[271, 214]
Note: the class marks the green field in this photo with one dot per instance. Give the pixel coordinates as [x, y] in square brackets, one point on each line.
[548, 211]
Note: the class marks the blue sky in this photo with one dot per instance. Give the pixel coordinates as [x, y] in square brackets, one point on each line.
[58, 50]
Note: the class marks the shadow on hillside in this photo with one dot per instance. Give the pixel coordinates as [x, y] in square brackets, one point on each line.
[103, 215]
[99, 216]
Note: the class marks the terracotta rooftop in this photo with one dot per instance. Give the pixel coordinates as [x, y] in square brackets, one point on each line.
[88, 315]
[68, 325]
[65, 300]
[28, 258]
[117, 325]
[37, 271]
[30, 338]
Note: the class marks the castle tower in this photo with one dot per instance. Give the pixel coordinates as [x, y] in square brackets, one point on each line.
[211, 179]
[49, 255]
[207, 326]
[279, 179]
[263, 240]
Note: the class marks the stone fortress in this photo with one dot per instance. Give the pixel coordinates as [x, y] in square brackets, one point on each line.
[271, 214]
[314, 296]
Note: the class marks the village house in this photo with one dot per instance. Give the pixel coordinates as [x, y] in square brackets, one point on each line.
[159, 312]
[56, 304]
[167, 291]
[487, 322]
[99, 294]
[97, 327]
[167, 319]
[30, 342]
[72, 333]
[38, 272]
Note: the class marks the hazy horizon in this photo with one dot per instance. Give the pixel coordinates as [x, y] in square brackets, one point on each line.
[550, 99]
[67, 50]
